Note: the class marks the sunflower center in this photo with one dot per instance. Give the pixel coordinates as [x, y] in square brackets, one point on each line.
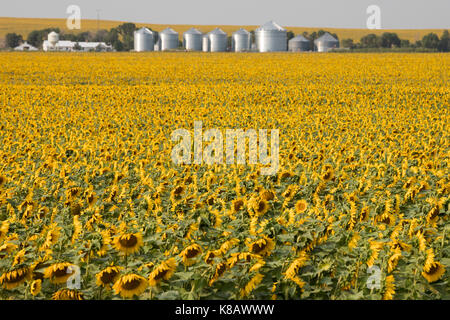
[108, 276]
[238, 205]
[60, 272]
[191, 253]
[261, 206]
[131, 284]
[160, 275]
[128, 243]
[434, 268]
[258, 247]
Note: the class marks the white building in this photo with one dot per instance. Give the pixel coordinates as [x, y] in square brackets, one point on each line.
[64, 45]
[25, 47]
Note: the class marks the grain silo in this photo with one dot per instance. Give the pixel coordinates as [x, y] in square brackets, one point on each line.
[192, 40]
[53, 38]
[326, 43]
[143, 40]
[271, 37]
[241, 40]
[217, 40]
[168, 39]
[299, 44]
[205, 43]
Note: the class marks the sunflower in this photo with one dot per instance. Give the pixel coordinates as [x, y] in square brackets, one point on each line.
[219, 271]
[389, 288]
[236, 205]
[75, 208]
[262, 247]
[35, 287]
[260, 207]
[251, 285]
[15, 278]
[51, 237]
[4, 227]
[2, 180]
[73, 192]
[327, 173]
[91, 198]
[177, 193]
[267, 195]
[189, 253]
[433, 272]
[129, 285]
[107, 276]
[163, 271]
[300, 206]
[128, 243]
[67, 294]
[59, 272]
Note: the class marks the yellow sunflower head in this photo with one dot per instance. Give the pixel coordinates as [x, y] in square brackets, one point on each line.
[68, 294]
[15, 278]
[58, 273]
[163, 271]
[237, 204]
[107, 277]
[190, 253]
[260, 206]
[35, 287]
[262, 247]
[128, 243]
[129, 285]
[300, 206]
[434, 272]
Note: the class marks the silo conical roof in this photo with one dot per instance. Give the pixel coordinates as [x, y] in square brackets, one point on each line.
[168, 31]
[299, 38]
[241, 31]
[217, 31]
[143, 31]
[270, 26]
[193, 31]
[326, 37]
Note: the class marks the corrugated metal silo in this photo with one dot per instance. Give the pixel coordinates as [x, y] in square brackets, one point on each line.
[326, 43]
[205, 43]
[299, 43]
[192, 40]
[143, 40]
[217, 40]
[271, 37]
[169, 39]
[53, 38]
[241, 40]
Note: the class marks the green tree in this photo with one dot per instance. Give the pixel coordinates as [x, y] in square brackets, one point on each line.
[389, 39]
[369, 41]
[347, 43]
[13, 40]
[444, 42]
[430, 41]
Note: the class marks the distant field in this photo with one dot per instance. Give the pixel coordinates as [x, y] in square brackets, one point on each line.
[25, 25]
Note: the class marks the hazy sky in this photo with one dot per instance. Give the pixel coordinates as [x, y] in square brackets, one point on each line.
[395, 14]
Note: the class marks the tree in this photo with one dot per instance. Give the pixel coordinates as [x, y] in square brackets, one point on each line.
[290, 35]
[77, 47]
[347, 43]
[444, 42]
[369, 41]
[430, 41]
[405, 43]
[389, 39]
[13, 40]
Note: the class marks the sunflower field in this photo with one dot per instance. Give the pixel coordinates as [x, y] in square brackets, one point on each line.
[92, 207]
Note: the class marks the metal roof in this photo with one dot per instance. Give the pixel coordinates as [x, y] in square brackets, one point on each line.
[270, 26]
[241, 31]
[326, 37]
[143, 31]
[168, 31]
[217, 31]
[193, 31]
[299, 38]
